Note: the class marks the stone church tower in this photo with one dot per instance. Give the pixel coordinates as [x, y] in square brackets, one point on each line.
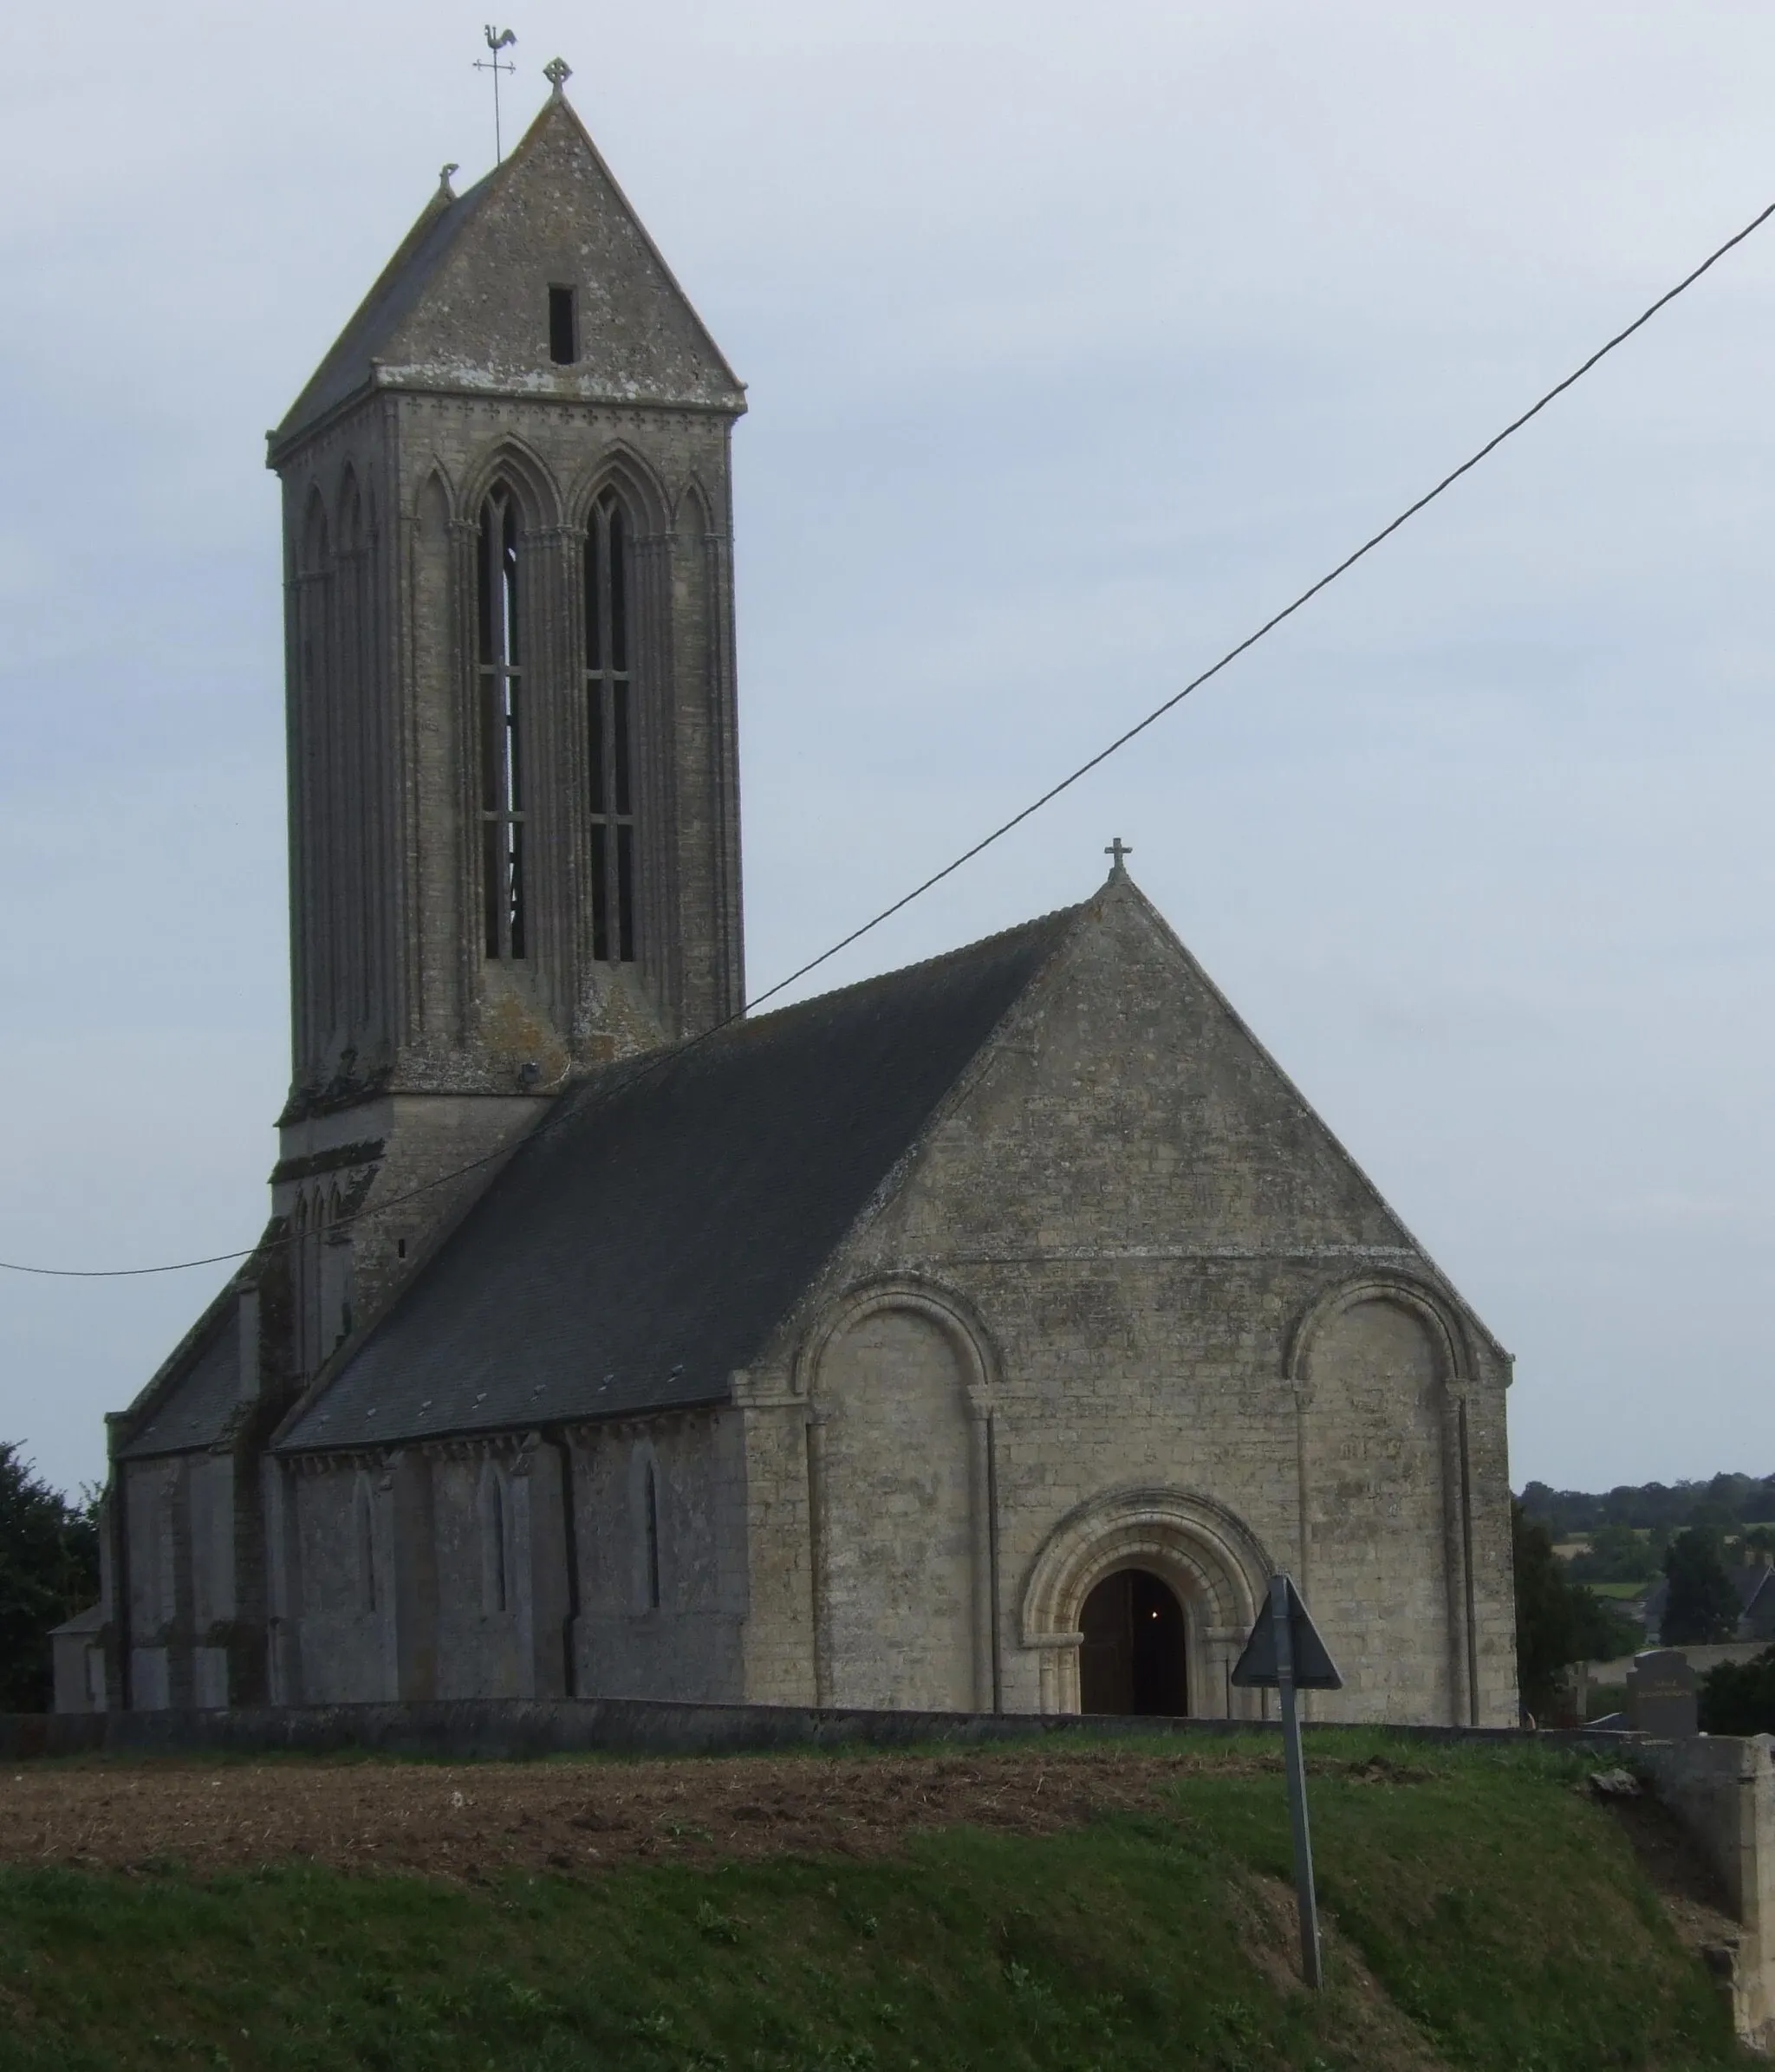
[514, 813]
[980, 1336]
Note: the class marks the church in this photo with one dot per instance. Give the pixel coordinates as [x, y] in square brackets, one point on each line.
[978, 1337]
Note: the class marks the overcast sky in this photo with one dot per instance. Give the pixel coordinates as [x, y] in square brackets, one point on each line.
[1078, 339]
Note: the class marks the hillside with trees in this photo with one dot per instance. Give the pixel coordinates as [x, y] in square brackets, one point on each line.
[1725, 1504]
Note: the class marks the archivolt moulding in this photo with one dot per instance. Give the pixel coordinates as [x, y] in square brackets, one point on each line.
[1429, 1305]
[625, 468]
[1216, 1563]
[955, 1317]
[515, 461]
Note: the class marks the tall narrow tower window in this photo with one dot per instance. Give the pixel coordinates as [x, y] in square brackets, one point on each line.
[610, 723]
[564, 327]
[501, 690]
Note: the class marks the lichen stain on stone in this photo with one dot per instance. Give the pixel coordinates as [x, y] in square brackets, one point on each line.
[514, 1035]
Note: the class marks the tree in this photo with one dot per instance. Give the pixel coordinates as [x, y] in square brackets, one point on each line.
[1601, 1632]
[49, 1570]
[1738, 1698]
[1702, 1605]
[1618, 1554]
[1558, 1622]
[1546, 1625]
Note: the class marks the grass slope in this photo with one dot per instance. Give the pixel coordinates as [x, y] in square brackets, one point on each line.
[1486, 1915]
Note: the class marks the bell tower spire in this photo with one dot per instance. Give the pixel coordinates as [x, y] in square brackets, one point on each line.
[513, 798]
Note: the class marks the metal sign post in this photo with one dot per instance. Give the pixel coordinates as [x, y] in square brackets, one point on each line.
[1285, 1651]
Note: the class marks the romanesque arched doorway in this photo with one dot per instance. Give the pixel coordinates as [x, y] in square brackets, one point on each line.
[1134, 1657]
[1212, 1572]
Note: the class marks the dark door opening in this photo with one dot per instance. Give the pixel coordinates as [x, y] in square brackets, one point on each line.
[1133, 1659]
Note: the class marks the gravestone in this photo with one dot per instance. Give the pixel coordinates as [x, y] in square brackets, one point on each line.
[1660, 1694]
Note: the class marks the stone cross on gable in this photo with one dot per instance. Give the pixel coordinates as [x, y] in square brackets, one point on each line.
[557, 72]
[1115, 852]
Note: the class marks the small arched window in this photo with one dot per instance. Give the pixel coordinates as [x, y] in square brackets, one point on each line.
[501, 690]
[652, 1499]
[610, 728]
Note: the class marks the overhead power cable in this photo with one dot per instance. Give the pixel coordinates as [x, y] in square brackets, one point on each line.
[1004, 828]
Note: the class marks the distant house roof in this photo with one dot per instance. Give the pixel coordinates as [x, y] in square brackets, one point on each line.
[92, 1620]
[669, 1212]
[1755, 1585]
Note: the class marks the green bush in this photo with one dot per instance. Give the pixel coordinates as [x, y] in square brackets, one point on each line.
[49, 1570]
[1702, 1606]
[1738, 1698]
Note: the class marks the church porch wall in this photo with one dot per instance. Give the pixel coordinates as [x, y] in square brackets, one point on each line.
[1121, 1221]
[1492, 1558]
[779, 1631]
[183, 1610]
[1143, 1375]
[662, 1584]
[480, 1641]
[340, 1640]
[1142, 1213]
[157, 1569]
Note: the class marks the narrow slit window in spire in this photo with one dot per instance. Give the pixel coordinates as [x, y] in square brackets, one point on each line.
[564, 326]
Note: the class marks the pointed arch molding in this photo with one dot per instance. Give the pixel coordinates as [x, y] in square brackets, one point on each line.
[1428, 1304]
[434, 489]
[513, 460]
[693, 516]
[625, 468]
[317, 533]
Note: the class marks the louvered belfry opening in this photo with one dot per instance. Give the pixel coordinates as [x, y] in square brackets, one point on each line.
[500, 676]
[610, 731]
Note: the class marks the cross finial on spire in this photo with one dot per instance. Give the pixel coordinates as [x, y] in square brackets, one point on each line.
[557, 72]
[1115, 852]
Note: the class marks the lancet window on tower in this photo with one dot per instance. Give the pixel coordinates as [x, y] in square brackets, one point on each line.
[610, 725]
[501, 693]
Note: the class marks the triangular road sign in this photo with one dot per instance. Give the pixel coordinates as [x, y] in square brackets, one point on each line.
[1314, 1670]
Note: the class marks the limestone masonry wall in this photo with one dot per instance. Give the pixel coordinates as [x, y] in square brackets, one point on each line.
[1184, 1333]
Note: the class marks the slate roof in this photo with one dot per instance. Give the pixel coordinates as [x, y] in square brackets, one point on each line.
[669, 1212]
[417, 262]
[195, 1410]
[602, 219]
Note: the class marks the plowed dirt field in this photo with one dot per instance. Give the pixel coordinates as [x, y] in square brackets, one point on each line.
[472, 1820]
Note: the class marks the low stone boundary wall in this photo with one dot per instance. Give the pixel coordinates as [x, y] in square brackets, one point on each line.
[477, 1729]
[1723, 1790]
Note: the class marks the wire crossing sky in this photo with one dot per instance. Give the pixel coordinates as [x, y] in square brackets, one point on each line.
[1073, 338]
[98, 1273]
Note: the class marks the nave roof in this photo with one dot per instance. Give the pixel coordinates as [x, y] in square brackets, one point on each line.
[668, 1214]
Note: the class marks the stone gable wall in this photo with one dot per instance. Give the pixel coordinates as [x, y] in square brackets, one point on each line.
[1208, 1346]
